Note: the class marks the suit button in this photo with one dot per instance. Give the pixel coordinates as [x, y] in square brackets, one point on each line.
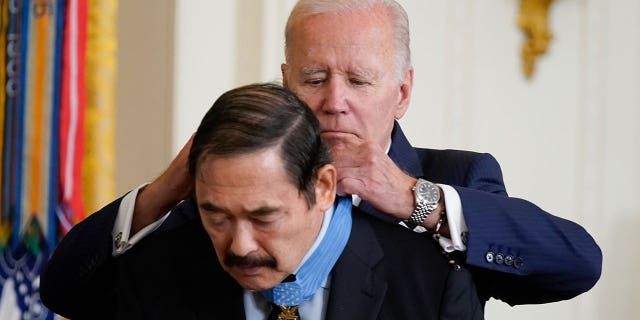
[518, 262]
[499, 258]
[508, 260]
[489, 256]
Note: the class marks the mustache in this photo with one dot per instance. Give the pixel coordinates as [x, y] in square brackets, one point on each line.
[231, 260]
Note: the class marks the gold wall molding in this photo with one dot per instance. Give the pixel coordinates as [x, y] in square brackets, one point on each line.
[533, 20]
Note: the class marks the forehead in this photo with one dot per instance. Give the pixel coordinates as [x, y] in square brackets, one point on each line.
[354, 35]
[257, 176]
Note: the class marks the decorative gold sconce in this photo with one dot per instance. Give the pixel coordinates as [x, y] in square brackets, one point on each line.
[533, 20]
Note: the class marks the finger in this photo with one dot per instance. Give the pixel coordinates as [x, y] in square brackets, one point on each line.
[351, 186]
[344, 160]
[348, 154]
[364, 155]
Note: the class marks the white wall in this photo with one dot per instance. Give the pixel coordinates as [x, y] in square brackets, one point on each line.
[567, 139]
[144, 91]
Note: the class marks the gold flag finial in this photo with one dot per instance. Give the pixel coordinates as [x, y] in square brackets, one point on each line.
[533, 20]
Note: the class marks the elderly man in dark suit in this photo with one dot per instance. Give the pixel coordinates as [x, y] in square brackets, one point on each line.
[286, 247]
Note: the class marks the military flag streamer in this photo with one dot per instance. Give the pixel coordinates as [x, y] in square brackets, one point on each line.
[72, 115]
[99, 159]
[42, 142]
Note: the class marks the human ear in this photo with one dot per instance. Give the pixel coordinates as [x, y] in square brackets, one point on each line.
[325, 188]
[283, 69]
[404, 94]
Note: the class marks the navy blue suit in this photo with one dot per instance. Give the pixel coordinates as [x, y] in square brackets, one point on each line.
[517, 252]
[384, 272]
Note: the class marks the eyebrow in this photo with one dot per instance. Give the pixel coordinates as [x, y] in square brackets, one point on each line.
[362, 74]
[312, 70]
[210, 207]
[260, 211]
[263, 211]
[307, 71]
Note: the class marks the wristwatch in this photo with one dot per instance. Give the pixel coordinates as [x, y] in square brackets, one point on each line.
[427, 196]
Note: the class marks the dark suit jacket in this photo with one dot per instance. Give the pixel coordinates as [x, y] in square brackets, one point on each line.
[516, 251]
[384, 272]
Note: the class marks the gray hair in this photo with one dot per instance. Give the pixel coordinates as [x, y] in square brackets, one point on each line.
[402, 50]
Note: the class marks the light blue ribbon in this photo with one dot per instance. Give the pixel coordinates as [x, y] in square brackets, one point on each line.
[316, 269]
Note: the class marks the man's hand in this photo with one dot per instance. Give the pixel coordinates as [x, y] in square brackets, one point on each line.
[366, 170]
[172, 186]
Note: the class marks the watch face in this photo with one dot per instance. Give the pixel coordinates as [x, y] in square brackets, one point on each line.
[428, 191]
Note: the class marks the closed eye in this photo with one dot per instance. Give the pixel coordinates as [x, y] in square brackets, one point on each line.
[213, 215]
[216, 220]
[314, 82]
[358, 83]
[265, 216]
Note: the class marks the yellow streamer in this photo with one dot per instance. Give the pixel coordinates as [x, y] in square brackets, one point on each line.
[99, 160]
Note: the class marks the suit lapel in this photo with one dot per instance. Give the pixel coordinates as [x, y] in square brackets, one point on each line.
[358, 284]
[406, 158]
[403, 154]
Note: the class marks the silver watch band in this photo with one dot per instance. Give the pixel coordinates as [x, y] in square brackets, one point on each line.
[420, 213]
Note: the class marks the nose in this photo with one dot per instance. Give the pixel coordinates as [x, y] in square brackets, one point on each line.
[243, 241]
[335, 100]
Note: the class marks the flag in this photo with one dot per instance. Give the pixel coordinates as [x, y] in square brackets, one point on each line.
[33, 43]
[44, 139]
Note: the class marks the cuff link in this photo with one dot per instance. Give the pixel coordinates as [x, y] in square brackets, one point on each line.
[465, 237]
[117, 240]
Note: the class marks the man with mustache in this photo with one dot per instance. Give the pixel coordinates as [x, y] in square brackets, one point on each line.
[286, 247]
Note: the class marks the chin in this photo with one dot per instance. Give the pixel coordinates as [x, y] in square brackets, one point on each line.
[256, 285]
[256, 282]
[337, 134]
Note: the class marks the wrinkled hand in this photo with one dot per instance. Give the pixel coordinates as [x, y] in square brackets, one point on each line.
[366, 170]
[172, 186]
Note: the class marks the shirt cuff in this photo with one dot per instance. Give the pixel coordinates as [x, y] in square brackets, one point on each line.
[122, 227]
[455, 219]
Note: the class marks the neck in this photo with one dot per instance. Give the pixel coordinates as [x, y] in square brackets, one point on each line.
[326, 219]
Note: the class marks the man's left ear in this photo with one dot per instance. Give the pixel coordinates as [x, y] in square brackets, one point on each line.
[325, 187]
[284, 68]
[404, 94]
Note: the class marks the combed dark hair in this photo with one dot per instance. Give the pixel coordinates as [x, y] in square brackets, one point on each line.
[257, 117]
